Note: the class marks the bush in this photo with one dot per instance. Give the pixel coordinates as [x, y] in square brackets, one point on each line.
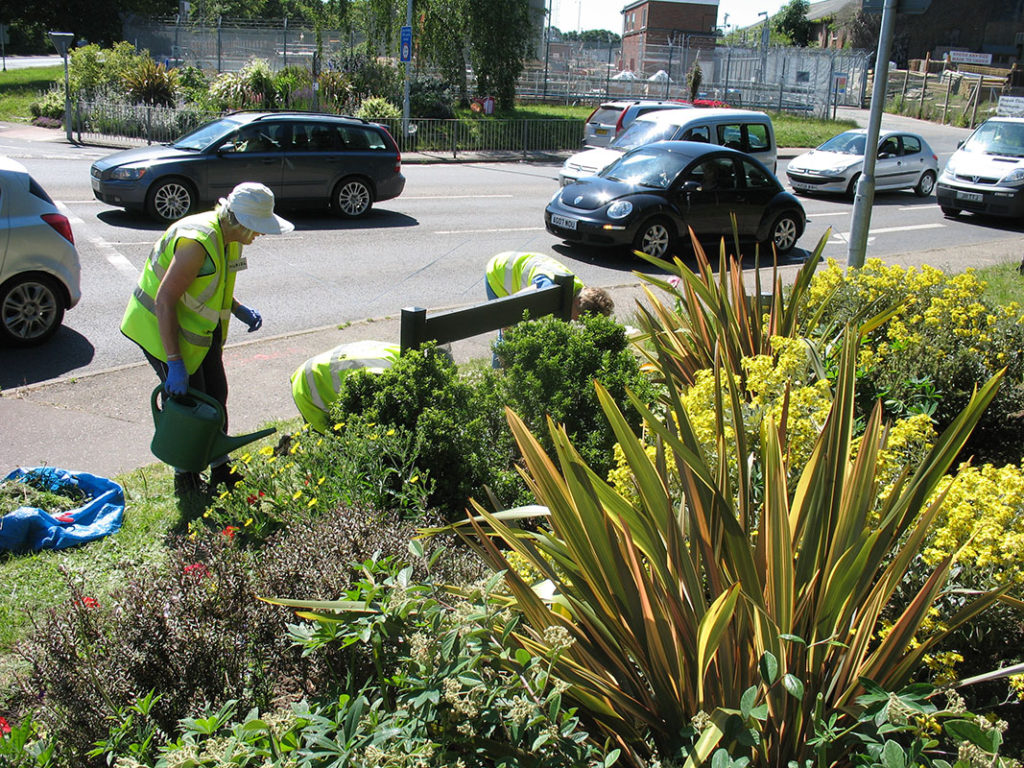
[147, 82]
[942, 341]
[549, 369]
[369, 76]
[376, 108]
[431, 98]
[51, 105]
[252, 87]
[192, 631]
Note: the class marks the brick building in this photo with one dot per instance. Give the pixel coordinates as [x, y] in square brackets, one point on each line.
[651, 28]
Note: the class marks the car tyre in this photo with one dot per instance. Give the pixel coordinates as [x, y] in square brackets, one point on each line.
[171, 199]
[925, 185]
[31, 310]
[851, 188]
[655, 237]
[352, 198]
[784, 233]
[949, 213]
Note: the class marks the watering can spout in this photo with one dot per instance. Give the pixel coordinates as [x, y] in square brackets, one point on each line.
[225, 444]
[189, 431]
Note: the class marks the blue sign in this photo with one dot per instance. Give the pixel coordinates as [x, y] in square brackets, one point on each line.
[406, 50]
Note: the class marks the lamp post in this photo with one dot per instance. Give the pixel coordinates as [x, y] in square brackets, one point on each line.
[62, 41]
[547, 47]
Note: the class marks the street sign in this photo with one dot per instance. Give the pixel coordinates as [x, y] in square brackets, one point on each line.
[406, 51]
[61, 41]
[5, 35]
[902, 6]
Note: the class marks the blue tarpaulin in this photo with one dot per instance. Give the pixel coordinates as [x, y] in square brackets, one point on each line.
[32, 528]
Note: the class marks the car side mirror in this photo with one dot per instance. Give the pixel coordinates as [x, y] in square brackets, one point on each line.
[690, 186]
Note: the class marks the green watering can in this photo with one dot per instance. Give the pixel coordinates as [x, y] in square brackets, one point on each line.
[190, 430]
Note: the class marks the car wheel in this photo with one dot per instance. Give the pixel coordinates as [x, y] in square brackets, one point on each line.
[171, 199]
[31, 310]
[654, 238]
[851, 188]
[925, 185]
[784, 233]
[950, 213]
[352, 198]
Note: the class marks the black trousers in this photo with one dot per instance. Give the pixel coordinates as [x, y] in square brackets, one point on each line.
[209, 379]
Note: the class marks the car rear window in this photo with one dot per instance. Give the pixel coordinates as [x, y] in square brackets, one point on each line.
[38, 191]
[606, 115]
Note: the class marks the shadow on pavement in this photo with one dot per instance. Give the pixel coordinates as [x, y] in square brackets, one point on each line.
[304, 220]
[66, 351]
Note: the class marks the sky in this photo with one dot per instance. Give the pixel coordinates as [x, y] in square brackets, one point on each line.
[582, 15]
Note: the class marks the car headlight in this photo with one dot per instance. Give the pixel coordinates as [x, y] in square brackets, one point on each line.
[620, 209]
[554, 197]
[128, 173]
[949, 171]
[1014, 178]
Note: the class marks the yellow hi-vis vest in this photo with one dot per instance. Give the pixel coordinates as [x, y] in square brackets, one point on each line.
[511, 271]
[204, 304]
[316, 382]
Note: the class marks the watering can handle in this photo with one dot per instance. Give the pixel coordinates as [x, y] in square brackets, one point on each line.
[155, 398]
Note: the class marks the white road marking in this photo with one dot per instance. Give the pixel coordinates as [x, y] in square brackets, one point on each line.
[452, 197]
[114, 257]
[844, 237]
[485, 231]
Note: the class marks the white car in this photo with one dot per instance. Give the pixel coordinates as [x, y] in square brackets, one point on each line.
[904, 161]
[741, 129]
[40, 274]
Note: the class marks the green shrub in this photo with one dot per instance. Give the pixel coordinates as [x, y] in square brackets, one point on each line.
[455, 431]
[549, 369]
[252, 87]
[50, 105]
[431, 97]
[943, 340]
[147, 82]
[377, 108]
[369, 76]
[191, 630]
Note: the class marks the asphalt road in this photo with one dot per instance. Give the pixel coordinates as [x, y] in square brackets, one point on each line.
[426, 248]
[332, 281]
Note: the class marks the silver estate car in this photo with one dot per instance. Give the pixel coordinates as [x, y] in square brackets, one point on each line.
[307, 159]
[904, 161]
[40, 275]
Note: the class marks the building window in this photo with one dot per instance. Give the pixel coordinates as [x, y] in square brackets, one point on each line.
[643, 23]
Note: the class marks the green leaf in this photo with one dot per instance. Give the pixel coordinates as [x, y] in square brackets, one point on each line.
[893, 755]
[965, 730]
[611, 758]
[792, 638]
[793, 685]
[768, 667]
[747, 701]
[523, 656]
[416, 548]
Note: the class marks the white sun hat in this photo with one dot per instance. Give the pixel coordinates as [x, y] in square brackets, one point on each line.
[253, 206]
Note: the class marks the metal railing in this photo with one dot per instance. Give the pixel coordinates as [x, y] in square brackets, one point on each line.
[121, 124]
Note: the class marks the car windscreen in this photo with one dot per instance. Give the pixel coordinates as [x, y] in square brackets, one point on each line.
[646, 169]
[205, 135]
[848, 143]
[997, 138]
[643, 132]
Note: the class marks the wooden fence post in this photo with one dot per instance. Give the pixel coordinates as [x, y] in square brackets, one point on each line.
[924, 85]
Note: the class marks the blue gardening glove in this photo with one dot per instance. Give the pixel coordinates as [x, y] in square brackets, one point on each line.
[177, 378]
[250, 317]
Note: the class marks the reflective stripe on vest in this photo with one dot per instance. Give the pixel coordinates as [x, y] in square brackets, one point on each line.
[317, 382]
[204, 304]
[510, 271]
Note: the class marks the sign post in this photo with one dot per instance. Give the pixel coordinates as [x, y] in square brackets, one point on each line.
[62, 41]
[860, 219]
[406, 57]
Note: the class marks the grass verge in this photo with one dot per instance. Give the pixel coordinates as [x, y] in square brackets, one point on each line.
[20, 87]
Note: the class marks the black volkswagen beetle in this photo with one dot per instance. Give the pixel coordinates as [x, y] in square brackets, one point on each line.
[648, 197]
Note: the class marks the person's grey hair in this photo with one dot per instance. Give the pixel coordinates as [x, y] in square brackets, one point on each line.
[226, 215]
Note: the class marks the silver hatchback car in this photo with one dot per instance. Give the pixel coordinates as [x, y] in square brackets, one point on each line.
[40, 274]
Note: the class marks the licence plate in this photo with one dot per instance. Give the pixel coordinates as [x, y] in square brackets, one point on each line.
[799, 185]
[563, 222]
[600, 131]
[970, 197]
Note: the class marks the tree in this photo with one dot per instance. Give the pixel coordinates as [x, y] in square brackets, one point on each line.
[443, 40]
[95, 21]
[792, 22]
[694, 78]
[500, 35]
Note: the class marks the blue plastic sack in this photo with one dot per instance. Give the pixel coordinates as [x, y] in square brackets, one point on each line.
[32, 528]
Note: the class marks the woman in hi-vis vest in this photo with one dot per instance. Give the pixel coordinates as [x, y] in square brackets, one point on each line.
[180, 309]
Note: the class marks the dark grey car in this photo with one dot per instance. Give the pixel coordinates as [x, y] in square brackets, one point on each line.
[306, 159]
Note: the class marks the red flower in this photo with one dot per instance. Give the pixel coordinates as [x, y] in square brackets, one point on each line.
[90, 602]
[5, 727]
[253, 498]
[230, 532]
[196, 569]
